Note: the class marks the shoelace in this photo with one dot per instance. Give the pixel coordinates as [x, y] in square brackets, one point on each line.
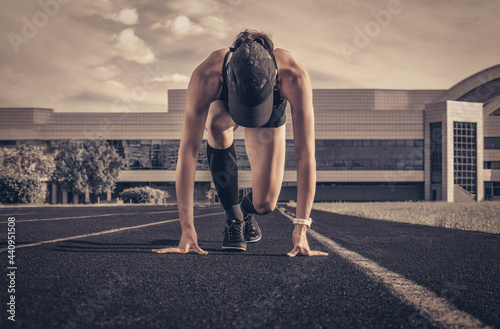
[251, 229]
[249, 223]
[234, 230]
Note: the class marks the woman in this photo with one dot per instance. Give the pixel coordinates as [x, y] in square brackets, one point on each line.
[247, 85]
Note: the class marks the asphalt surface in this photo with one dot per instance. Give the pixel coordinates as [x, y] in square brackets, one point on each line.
[113, 280]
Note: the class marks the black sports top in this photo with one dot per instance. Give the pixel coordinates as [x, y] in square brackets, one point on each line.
[278, 117]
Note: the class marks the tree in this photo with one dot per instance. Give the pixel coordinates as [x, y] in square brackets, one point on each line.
[69, 169]
[22, 171]
[27, 161]
[90, 166]
[102, 165]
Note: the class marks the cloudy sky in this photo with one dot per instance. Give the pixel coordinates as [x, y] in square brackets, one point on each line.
[123, 55]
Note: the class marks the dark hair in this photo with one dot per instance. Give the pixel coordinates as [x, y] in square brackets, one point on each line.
[259, 37]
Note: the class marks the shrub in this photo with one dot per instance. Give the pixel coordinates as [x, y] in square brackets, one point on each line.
[20, 190]
[144, 195]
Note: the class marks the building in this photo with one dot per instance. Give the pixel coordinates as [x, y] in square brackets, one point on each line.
[371, 144]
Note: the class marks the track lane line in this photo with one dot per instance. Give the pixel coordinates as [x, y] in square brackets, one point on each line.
[435, 309]
[9, 214]
[103, 232]
[95, 216]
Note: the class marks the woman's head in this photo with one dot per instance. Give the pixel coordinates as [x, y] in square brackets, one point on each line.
[251, 77]
[263, 39]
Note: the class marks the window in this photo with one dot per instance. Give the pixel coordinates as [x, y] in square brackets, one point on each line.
[436, 153]
[492, 165]
[483, 92]
[364, 154]
[492, 143]
[464, 146]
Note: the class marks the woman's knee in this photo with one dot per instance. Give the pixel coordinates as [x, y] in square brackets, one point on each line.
[264, 207]
[219, 120]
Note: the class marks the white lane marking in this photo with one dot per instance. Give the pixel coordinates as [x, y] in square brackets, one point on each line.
[435, 309]
[103, 232]
[94, 216]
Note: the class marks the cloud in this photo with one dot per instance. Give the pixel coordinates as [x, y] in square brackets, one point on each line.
[132, 48]
[180, 26]
[87, 96]
[111, 11]
[175, 77]
[106, 72]
[101, 8]
[127, 16]
[114, 84]
[193, 8]
[216, 28]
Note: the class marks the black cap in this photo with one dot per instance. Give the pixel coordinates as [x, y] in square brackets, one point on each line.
[251, 77]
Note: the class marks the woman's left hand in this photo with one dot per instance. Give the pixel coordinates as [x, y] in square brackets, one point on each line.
[301, 246]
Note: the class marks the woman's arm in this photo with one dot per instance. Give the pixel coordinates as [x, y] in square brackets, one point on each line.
[296, 87]
[203, 88]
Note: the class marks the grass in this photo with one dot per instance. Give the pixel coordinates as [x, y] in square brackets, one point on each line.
[484, 216]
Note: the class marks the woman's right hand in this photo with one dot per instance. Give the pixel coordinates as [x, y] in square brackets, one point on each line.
[189, 242]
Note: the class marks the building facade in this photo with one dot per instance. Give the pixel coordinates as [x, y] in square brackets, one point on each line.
[371, 145]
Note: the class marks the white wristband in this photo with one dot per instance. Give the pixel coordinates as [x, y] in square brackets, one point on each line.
[298, 221]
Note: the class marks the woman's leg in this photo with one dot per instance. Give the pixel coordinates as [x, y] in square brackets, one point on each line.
[224, 168]
[222, 157]
[266, 150]
[220, 126]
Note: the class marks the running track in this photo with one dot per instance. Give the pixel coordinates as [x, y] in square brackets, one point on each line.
[91, 267]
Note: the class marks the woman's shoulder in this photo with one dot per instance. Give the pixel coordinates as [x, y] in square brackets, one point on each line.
[214, 60]
[287, 62]
[289, 69]
[211, 68]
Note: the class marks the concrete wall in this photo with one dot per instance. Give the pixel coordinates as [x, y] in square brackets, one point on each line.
[447, 113]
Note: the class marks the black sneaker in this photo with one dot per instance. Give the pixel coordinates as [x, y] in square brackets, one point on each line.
[252, 231]
[233, 236]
